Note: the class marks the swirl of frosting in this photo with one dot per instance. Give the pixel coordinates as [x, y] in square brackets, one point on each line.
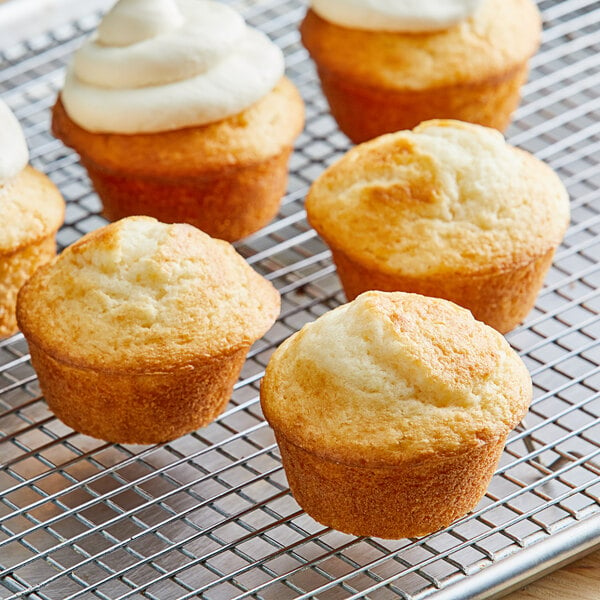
[14, 154]
[396, 15]
[158, 65]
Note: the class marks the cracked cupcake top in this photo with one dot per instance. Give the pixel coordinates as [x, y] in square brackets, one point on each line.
[139, 294]
[443, 198]
[394, 375]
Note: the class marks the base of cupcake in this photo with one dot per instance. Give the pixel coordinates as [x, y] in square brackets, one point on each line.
[137, 407]
[364, 112]
[410, 499]
[228, 204]
[501, 299]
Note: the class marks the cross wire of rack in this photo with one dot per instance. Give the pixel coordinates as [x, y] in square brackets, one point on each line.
[210, 515]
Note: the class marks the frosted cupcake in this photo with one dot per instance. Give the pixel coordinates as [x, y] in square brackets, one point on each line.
[387, 65]
[31, 211]
[180, 111]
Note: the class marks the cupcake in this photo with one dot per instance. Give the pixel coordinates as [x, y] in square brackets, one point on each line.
[139, 330]
[31, 211]
[391, 413]
[179, 111]
[413, 61]
[447, 210]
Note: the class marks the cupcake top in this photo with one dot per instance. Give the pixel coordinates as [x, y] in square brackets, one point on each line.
[396, 15]
[159, 65]
[29, 208]
[498, 37]
[448, 197]
[139, 295]
[392, 375]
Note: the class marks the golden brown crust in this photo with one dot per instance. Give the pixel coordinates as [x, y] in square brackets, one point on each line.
[447, 198]
[31, 211]
[448, 209]
[145, 297]
[393, 378]
[139, 330]
[407, 500]
[502, 299]
[138, 408]
[391, 413]
[392, 80]
[230, 203]
[15, 270]
[502, 35]
[260, 132]
[226, 178]
[363, 112]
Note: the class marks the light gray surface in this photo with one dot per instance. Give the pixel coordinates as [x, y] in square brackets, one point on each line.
[25, 19]
[210, 515]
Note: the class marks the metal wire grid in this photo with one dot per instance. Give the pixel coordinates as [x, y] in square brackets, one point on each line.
[210, 515]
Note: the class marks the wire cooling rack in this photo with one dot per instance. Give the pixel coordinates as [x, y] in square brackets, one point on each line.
[210, 515]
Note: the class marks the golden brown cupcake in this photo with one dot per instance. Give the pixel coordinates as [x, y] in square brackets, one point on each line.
[410, 62]
[139, 330]
[391, 413]
[31, 211]
[447, 210]
[183, 117]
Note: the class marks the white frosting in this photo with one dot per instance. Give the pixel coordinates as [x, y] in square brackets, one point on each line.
[138, 20]
[396, 15]
[158, 65]
[13, 147]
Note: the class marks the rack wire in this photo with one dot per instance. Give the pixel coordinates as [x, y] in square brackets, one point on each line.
[210, 515]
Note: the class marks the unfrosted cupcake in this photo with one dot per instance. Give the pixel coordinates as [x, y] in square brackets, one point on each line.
[31, 211]
[391, 413]
[139, 330]
[387, 65]
[447, 210]
[180, 111]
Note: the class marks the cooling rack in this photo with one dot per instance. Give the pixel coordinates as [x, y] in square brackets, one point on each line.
[210, 515]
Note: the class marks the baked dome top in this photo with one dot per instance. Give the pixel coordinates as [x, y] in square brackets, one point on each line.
[447, 197]
[393, 375]
[142, 295]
